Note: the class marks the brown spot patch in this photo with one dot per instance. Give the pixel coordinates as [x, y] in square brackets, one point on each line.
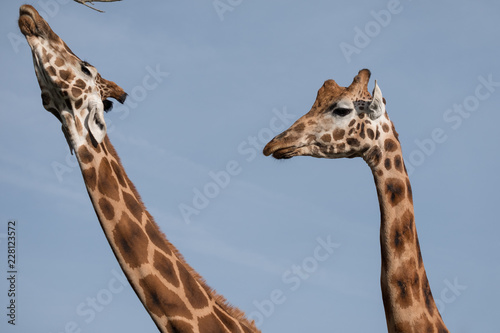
[210, 323]
[299, 128]
[227, 321]
[370, 133]
[160, 300]
[51, 71]
[192, 288]
[59, 62]
[395, 190]
[340, 147]
[362, 131]
[390, 145]
[79, 126]
[361, 115]
[131, 241]
[326, 137]
[310, 138]
[178, 325]
[387, 164]
[403, 232]
[338, 134]
[398, 163]
[406, 282]
[352, 122]
[90, 177]
[352, 142]
[118, 173]
[80, 84]
[78, 103]
[385, 128]
[76, 92]
[403, 298]
[85, 156]
[107, 208]
[66, 75]
[107, 184]
[63, 85]
[166, 268]
[403, 326]
[415, 286]
[133, 205]
[157, 237]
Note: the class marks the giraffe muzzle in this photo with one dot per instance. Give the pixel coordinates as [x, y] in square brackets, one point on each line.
[32, 24]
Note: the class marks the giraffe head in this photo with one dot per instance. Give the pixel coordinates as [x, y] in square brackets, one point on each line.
[72, 89]
[343, 122]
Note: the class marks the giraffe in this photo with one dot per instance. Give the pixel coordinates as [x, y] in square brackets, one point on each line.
[175, 296]
[349, 122]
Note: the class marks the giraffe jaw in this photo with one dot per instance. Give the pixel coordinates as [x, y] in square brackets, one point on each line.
[315, 149]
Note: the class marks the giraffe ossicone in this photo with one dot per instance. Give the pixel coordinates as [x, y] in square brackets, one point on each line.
[175, 296]
[350, 122]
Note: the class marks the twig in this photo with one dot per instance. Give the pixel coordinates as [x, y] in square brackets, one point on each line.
[84, 2]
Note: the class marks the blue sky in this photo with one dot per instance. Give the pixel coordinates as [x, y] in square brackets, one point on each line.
[207, 89]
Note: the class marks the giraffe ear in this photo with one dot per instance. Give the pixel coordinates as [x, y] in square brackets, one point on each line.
[96, 123]
[377, 105]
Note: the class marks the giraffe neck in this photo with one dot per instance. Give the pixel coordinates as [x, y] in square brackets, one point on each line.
[174, 295]
[408, 302]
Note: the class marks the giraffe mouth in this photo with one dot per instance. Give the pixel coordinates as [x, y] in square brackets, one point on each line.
[287, 152]
[313, 149]
[26, 21]
[283, 153]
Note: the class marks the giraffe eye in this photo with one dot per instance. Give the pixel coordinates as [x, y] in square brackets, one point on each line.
[342, 112]
[85, 70]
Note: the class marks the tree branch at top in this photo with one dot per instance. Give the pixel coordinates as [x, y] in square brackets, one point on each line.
[84, 2]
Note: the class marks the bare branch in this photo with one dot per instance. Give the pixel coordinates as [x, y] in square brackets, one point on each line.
[84, 2]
